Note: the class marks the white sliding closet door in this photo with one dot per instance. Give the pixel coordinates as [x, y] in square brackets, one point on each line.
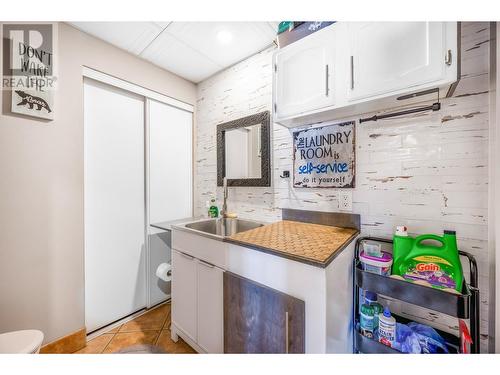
[170, 162]
[114, 204]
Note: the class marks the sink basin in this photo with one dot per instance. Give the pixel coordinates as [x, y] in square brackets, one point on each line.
[223, 227]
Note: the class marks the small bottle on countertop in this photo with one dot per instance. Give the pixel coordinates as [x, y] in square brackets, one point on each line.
[213, 211]
[387, 328]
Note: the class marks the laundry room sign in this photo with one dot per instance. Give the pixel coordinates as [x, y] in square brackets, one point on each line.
[29, 73]
[324, 157]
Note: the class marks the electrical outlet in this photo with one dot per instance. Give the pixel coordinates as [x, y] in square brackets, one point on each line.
[345, 200]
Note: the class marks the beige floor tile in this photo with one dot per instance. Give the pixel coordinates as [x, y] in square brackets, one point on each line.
[152, 320]
[180, 347]
[123, 340]
[96, 345]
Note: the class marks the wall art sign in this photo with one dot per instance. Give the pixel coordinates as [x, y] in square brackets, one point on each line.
[29, 69]
[324, 157]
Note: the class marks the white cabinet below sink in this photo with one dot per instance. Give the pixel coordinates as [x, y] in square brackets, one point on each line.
[210, 314]
[184, 293]
[197, 291]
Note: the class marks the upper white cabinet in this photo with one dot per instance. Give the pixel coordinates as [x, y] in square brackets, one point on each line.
[392, 56]
[350, 68]
[304, 74]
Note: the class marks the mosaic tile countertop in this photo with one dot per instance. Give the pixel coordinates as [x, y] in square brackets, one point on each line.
[313, 244]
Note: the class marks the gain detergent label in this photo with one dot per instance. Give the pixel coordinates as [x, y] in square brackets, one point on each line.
[431, 271]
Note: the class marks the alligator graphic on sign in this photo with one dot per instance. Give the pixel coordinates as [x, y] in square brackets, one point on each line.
[31, 101]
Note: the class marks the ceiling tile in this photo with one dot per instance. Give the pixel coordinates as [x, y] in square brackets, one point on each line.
[162, 24]
[191, 50]
[130, 36]
[179, 58]
[247, 38]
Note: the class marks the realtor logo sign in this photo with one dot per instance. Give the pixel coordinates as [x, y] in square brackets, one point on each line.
[324, 157]
[29, 67]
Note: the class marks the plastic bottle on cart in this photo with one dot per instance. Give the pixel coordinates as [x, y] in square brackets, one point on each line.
[371, 299]
[366, 297]
[432, 265]
[402, 244]
[366, 321]
[377, 310]
[386, 328]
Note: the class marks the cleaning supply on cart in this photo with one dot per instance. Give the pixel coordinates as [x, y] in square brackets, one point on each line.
[372, 249]
[379, 265]
[430, 341]
[465, 337]
[371, 299]
[426, 264]
[377, 310]
[366, 321]
[386, 328]
[406, 340]
[416, 338]
[402, 244]
[365, 296]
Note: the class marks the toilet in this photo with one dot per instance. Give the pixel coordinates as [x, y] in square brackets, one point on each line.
[21, 342]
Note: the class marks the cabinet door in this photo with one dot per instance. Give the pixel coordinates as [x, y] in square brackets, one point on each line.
[184, 292]
[258, 319]
[304, 74]
[390, 56]
[210, 308]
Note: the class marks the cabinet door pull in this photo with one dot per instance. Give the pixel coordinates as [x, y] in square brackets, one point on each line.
[352, 72]
[448, 58]
[186, 256]
[206, 264]
[327, 88]
[287, 341]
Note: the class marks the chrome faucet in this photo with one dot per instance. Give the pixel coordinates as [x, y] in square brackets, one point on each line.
[224, 204]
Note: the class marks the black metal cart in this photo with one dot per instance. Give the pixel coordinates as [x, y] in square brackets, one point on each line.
[462, 306]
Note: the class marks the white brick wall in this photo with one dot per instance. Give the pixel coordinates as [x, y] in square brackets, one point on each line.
[429, 172]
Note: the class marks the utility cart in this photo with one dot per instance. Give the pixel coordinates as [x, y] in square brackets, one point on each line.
[461, 306]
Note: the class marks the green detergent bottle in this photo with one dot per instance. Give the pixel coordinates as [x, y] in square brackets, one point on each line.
[426, 264]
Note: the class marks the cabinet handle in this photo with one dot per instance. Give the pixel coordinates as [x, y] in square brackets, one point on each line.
[352, 72]
[286, 333]
[186, 256]
[448, 58]
[327, 88]
[206, 264]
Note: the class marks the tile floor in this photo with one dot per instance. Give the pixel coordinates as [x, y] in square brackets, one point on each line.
[153, 328]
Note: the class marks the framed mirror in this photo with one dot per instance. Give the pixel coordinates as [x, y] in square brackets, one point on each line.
[243, 151]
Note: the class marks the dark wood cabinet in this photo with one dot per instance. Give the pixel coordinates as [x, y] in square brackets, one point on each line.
[258, 319]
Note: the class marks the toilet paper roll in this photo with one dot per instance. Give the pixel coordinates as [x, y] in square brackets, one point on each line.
[164, 271]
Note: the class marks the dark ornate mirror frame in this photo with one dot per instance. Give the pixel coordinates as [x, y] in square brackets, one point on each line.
[262, 118]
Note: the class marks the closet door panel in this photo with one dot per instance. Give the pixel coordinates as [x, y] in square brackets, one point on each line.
[114, 204]
[170, 162]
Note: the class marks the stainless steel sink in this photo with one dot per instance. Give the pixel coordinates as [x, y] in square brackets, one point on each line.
[223, 227]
